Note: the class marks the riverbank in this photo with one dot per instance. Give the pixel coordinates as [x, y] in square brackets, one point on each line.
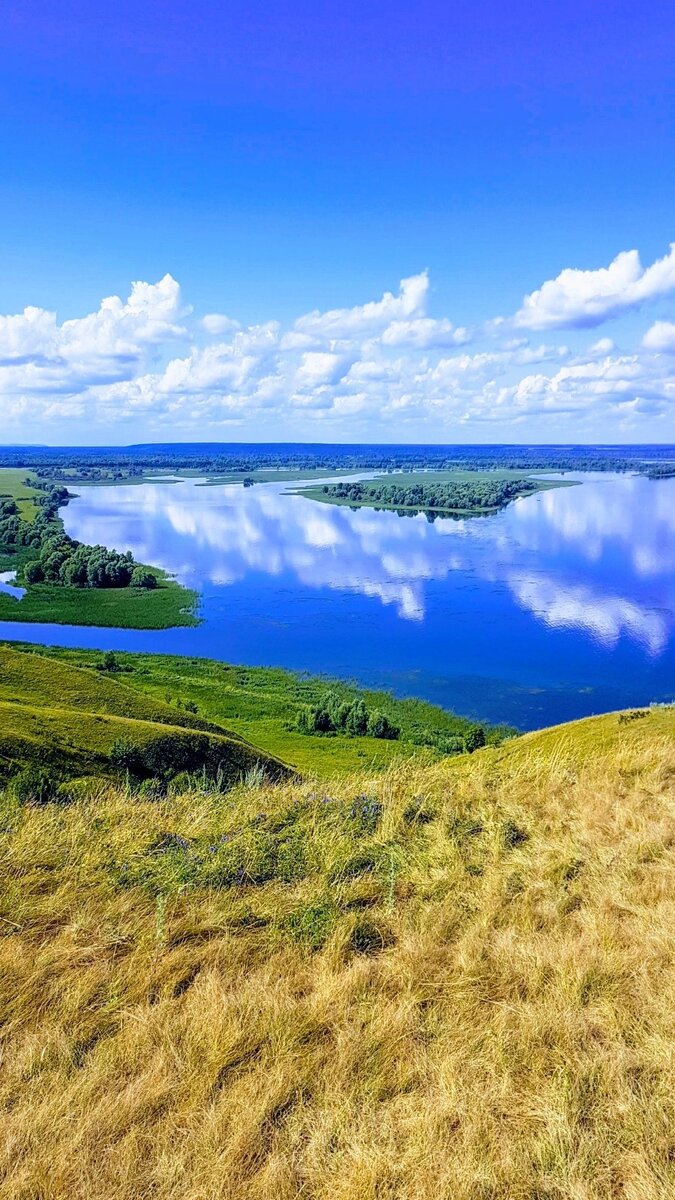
[263, 705]
[162, 605]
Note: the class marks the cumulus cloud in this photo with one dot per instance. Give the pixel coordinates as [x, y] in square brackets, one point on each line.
[366, 319]
[423, 333]
[103, 345]
[661, 337]
[218, 324]
[382, 368]
[578, 299]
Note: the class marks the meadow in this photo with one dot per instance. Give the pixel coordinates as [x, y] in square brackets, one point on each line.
[447, 980]
[260, 704]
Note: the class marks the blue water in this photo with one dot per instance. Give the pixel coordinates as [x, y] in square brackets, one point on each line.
[560, 606]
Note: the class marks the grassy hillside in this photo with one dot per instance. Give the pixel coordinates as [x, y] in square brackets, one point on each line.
[57, 716]
[450, 981]
[262, 705]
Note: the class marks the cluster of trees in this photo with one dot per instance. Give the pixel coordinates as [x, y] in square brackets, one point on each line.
[56, 558]
[457, 495]
[665, 471]
[334, 714]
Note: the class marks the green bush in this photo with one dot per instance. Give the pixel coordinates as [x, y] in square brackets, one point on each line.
[34, 785]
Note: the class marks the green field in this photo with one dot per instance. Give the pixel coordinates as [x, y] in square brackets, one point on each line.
[55, 714]
[262, 705]
[13, 483]
[167, 606]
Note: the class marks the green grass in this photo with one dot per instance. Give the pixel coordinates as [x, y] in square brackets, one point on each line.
[12, 483]
[262, 704]
[166, 606]
[53, 713]
[431, 477]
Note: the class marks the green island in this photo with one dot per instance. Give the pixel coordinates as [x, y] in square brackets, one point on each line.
[436, 493]
[67, 582]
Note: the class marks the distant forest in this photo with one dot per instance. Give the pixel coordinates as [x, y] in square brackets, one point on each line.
[92, 463]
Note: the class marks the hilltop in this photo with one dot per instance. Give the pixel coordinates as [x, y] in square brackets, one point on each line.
[450, 980]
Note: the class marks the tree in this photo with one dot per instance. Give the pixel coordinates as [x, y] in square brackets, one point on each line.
[33, 572]
[379, 726]
[357, 721]
[474, 738]
[142, 578]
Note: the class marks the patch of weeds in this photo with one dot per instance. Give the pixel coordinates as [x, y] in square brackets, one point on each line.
[291, 857]
[363, 862]
[636, 714]
[419, 812]
[364, 814]
[312, 924]
[460, 829]
[36, 785]
[151, 789]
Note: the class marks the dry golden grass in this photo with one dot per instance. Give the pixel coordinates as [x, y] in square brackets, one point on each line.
[482, 1009]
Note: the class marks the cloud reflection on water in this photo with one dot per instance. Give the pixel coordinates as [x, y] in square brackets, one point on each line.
[598, 558]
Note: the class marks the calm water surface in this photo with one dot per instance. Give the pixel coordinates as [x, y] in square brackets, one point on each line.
[559, 606]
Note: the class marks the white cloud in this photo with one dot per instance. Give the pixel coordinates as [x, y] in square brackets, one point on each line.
[320, 368]
[366, 319]
[383, 368]
[218, 324]
[101, 346]
[576, 299]
[661, 337]
[422, 333]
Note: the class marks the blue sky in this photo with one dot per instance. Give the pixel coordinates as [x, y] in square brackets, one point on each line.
[281, 159]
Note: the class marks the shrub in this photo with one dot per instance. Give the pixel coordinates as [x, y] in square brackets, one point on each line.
[125, 755]
[34, 785]
[109, 662]
[379, 726]
[33, 572]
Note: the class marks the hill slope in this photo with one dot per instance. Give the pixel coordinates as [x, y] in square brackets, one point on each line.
[450, 982]
[58, 715]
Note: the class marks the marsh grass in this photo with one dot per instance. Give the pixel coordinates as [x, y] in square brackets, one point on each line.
[447, 981]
